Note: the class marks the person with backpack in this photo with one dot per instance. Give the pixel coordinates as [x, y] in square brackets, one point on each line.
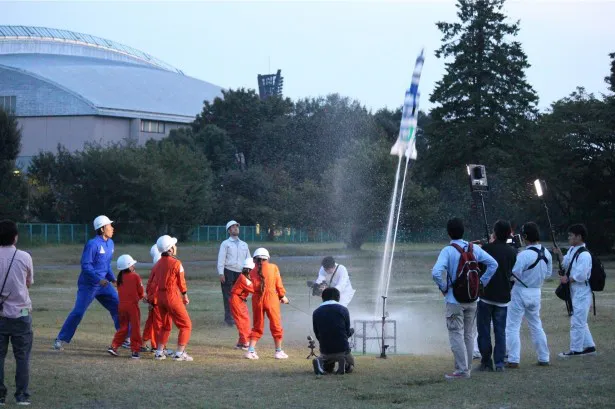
[578, 266]
[492, 306]
[533, 266]
[457, 275]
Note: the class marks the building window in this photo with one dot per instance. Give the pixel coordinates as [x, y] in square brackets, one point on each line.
[152, 126]
[8, 103]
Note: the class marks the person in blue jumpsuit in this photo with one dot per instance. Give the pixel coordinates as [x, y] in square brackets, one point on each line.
[95, 281]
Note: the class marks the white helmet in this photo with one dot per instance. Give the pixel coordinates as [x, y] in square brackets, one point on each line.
[249, 263]
[125, 261]
[230, 224]
[154, 253]
[261, 252]
[101, 221]
[164, 243]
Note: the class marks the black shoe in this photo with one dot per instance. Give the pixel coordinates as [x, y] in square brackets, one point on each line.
[318, 370]
[229, 323]
[543, 363]
[112, 351]
[2, 401]
[485, 368]
[499, 369]
[22, 400]
[589, 351]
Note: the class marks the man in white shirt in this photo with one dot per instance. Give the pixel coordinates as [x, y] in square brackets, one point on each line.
[336, 275]
[578, 265]
[233, 252]
[533, 265]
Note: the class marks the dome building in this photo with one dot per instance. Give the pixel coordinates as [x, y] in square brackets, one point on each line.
[70, 88]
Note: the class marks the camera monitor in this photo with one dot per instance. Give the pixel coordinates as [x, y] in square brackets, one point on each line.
[478, 177]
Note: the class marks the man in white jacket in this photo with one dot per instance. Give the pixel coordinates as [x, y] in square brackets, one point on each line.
[578, 265]
[336, 275]
[233, 252]
[533, 265]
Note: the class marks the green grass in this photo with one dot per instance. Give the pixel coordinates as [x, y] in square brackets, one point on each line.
[84, 376]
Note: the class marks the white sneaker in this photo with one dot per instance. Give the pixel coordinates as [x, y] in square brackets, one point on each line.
[58, 345]
[251, 355]
[182, 356]
[280, 355]
[160, 356]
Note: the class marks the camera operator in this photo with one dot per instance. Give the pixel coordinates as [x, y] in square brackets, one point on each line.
[331, 322]
[335, 275]
[493, 302]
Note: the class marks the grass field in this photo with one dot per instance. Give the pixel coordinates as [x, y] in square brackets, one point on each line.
[85, 376]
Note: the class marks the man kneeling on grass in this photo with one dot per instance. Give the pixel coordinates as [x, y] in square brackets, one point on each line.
[331, 322]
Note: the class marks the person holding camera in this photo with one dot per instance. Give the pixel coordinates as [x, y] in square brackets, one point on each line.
[335, 275]
[493, 303]
[331, 323]
[578, 264]
[533, 266]
[15, 310]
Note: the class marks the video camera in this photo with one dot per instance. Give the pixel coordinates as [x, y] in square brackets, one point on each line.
[516, 241]
[317, 288]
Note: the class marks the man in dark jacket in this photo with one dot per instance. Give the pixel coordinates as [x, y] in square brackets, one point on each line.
[493, 303]
[331, 322]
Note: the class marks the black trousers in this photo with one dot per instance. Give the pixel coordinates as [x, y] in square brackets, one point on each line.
[229, 280]
[19, 332]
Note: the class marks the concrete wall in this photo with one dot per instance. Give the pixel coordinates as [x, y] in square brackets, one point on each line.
[40, 98]
[45, 133]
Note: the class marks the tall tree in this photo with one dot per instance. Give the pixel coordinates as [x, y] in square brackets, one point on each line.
[13, 192]
[483, 102]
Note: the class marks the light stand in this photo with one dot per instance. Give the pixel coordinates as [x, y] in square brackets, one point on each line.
[312, 346]
[478, 183]
[540, 187]
[383, 351]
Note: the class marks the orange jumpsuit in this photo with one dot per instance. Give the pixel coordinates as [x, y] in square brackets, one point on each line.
[239, 294]
[154, 320]
[169, 279]
[130, 293]
[267, 300]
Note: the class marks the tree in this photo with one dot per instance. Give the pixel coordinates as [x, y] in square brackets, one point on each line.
[483, 102]
[13, 194]
[579, 164]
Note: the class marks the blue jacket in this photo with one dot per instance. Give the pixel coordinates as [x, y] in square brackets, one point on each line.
[331, 322]
[96, 262]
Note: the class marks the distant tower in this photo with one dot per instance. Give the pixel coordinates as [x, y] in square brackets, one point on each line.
[270, 85]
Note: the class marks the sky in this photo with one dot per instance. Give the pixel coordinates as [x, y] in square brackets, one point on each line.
[363, 50]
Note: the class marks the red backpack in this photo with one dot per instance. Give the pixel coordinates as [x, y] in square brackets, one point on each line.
[467, 283]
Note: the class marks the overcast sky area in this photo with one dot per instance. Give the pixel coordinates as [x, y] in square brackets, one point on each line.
[363, 50]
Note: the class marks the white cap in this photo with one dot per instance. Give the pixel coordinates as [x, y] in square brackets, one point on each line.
[154, 253]
[164, 243]
[231, 223]
[261, 252]
[125, 261]
[101, 221]
[249, 263]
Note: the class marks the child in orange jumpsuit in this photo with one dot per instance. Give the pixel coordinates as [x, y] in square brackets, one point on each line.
[269, 292]
[239, 310]
[130, 290]
[172, 298]
[153, 323]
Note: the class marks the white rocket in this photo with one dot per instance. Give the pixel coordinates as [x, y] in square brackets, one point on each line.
[406, 142]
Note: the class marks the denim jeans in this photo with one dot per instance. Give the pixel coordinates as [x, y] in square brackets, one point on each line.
[19, 332]
[486, 314]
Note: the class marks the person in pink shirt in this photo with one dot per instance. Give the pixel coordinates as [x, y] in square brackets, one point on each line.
[16, 276]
